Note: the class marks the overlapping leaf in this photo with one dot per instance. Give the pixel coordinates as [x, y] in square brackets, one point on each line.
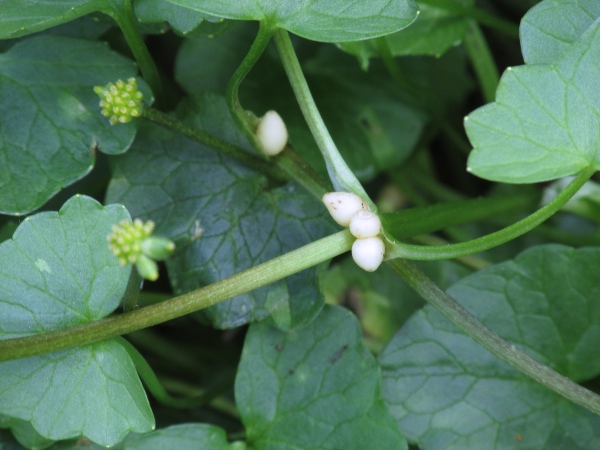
[183, 20]
[434, 32]
[57, 272]
[51, 126]
[317, 387]
[545, 123]
[549, 28]
[446, 392]
[189, 436]
[222, 216]
[319, 20]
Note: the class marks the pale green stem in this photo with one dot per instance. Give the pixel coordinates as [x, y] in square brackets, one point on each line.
[408, 251]
[341, 176]
[240, 283]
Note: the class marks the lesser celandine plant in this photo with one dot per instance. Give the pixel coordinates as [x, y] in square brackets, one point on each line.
[220, 221]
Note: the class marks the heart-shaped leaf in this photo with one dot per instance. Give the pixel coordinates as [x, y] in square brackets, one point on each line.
[58, 272]
[319, 20]
[550, 27]
[446, 392]
[222, 216]
[545, 123]
[317, 388]
[51, 124]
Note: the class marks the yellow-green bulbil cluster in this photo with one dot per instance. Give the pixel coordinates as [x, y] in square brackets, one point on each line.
[120, 101]
[132, 243]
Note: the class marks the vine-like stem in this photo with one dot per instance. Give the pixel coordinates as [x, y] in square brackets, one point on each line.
[156, 388]
[240, 283]
[482, 61]
[254, 162]
[288, 161]
[408, 251]
[341, 176]
[489, 340]
[122, 13]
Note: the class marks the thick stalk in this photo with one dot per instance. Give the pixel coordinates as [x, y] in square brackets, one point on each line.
[240, 283]
[408, 251]
[489, 340]
[341, 176]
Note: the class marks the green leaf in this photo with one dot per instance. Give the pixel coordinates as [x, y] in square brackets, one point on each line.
[224, 52]
[545, 122]
[24, 433]
[51, 123]
[20, 18]
[222, 217]
[434, 32]
[446, 392]
[317, 387]
[319, 20]
[183, 20]
[545, 32]
[58, 272]
[191, 436]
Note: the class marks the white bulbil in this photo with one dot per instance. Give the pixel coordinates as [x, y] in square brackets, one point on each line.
[368, 253]
[365, 224]
[343, 205]
[272, 133]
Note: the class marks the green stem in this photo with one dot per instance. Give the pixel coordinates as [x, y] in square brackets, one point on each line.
[254, 162]
[482, 61]
[288, 160]
[240, 283]
[156, 388]
[122, 13]
[479, 15]
[488, 339]
[246, 120]
[407, 251]
[341, 176]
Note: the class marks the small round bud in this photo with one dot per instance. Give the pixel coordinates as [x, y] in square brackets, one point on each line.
[343, 205]
[120, 102]
[157, 248]
[272, 133]
[147, 268]
[365, 224]
[368, 253]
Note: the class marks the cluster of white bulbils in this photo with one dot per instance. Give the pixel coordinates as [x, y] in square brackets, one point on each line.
[349, 210]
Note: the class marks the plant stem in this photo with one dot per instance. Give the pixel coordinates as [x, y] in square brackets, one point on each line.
[479, 15]
[122, 13]
[155, 387]
[408, 251]
[288, 160]
[249, 160]
[341, 176]
[482, 61]
[489, 340]
[240, 283]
